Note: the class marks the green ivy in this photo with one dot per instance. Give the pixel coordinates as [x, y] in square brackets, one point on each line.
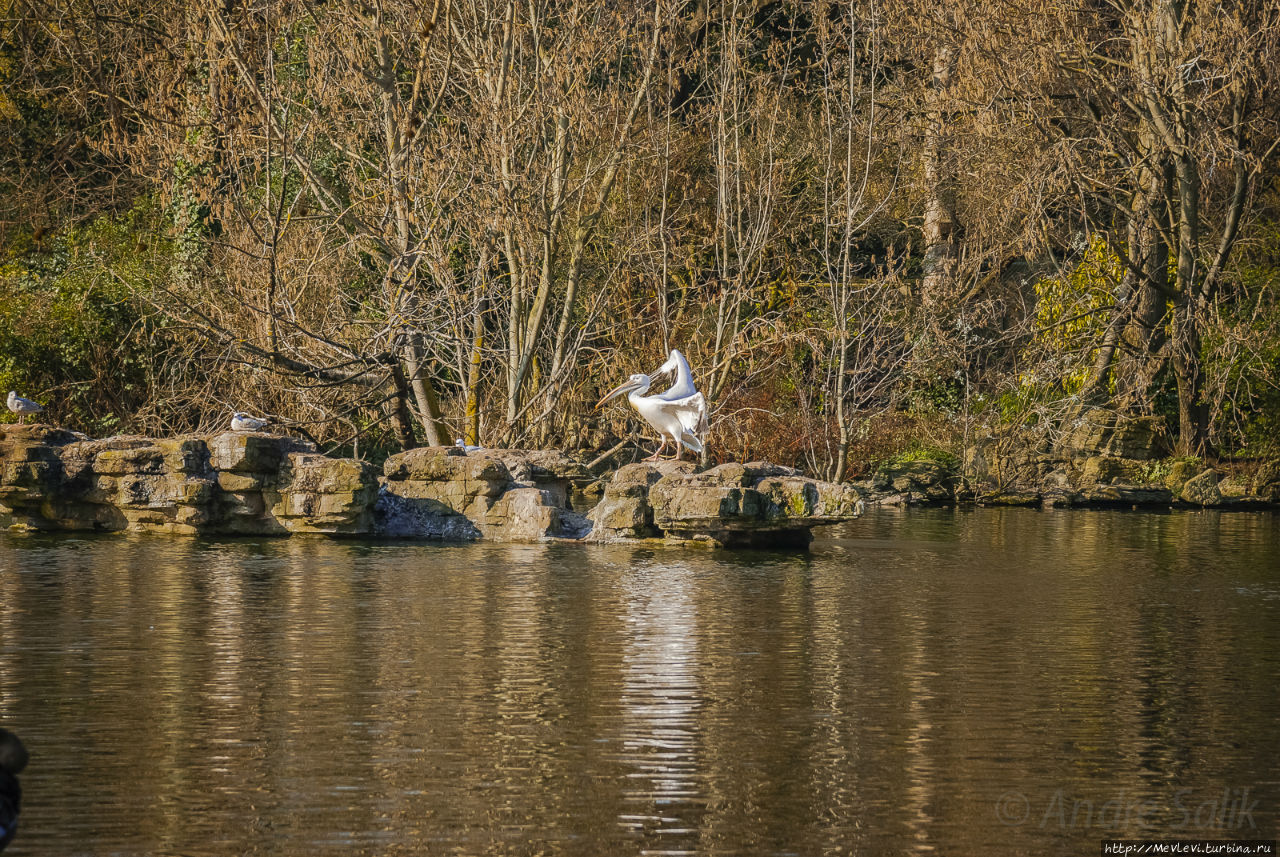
[75, 330]
[1070, 309]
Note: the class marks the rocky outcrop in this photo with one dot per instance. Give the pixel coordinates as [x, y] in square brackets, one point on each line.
[505, 495]
[318, 494]
[624, 511]
[1100, 459]
[260, 484]
[733, 505]
[1102, 432]
[923, 480]
[232, 483]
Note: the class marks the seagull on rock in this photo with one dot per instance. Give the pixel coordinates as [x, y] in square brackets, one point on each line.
[466, 447]
[244, 422]
[22, 407]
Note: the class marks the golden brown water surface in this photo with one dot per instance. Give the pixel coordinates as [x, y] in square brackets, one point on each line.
[973, 682]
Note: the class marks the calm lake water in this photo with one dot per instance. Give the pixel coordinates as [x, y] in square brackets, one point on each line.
[960, 682]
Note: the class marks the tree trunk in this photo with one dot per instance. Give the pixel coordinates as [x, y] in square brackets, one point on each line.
[403, 419]
[940, 250]
[1193, 428]
[424, 394]
[1145, 335]
[842, 450]
[473, 376]
[1193, 413]
[401, 275]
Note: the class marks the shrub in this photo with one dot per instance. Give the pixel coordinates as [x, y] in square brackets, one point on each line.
[75, 331]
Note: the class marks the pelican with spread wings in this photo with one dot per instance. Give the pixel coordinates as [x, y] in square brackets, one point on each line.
[680, 413]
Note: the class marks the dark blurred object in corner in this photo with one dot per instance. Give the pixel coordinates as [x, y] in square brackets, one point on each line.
[13, 758]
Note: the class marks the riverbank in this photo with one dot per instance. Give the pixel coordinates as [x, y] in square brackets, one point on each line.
[1094, 459]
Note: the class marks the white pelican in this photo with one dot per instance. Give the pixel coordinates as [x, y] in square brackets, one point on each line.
[678, 419]
[244, 422]
[22, 407]
[466, 447]
[683, 388]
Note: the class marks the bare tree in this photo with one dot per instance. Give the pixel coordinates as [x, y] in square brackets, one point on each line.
[1175, 90]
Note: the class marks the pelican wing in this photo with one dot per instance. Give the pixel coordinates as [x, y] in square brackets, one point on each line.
[692, 413]
[691, 441]
[683, 386]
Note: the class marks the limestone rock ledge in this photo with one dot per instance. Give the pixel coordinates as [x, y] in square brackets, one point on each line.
[502, 495]
[232, 483]
[733, 505]
[245, 483]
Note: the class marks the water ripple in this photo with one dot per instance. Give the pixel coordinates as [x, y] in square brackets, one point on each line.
[893, 692]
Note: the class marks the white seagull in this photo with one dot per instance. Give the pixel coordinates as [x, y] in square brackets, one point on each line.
[679, 419]
[22, 407]
[466, 447]
[244, 422]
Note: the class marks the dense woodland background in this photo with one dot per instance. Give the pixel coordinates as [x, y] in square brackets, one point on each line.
[871, 226]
